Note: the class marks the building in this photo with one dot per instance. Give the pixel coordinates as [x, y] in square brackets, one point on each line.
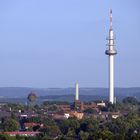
[78, 115]
[27, 134]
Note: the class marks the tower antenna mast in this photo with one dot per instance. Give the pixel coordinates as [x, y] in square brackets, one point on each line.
[111, 51]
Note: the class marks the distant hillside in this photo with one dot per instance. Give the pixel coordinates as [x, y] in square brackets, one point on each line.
[22, 92]
[19, 94]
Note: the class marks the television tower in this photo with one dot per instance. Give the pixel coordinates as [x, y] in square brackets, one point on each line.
[77, 92]
[111, 51]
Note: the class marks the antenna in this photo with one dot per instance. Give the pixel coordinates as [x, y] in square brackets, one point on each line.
[110, 18]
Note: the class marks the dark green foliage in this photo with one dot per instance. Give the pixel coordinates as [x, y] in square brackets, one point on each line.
[53, 108]
[90, 111]
[34, 119]
[48, 121]
[6, 137]
[11, 125]
[83, 135]
[114, 107]
[51, 131]
[130, 100]
[69, 125]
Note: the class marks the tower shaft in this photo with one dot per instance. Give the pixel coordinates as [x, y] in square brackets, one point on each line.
[76, 92]
[111, 79]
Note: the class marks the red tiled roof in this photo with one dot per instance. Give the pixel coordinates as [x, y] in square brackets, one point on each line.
[31, 124]
[20, 133]
[26, 132]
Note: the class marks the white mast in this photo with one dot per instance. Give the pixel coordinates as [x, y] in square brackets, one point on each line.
[111, 51]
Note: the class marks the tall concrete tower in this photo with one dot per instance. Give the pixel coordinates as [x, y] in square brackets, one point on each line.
[76, 92]
[111, 51]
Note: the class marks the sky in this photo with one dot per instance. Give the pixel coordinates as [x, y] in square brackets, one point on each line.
[56, 43]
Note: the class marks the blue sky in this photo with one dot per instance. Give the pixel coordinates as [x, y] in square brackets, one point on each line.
[54, 43]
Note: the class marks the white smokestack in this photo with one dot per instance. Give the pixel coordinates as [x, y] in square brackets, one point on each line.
[76, 92]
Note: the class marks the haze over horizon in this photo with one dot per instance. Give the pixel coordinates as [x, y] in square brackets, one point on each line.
[48, 44]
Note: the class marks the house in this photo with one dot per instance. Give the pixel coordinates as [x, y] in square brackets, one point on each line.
[78, 115]
[58, 116]
[27, 134]
[5, 114]
[66, 115]
[114, 115]
[102, 104]
[29, 125]
[64, 107]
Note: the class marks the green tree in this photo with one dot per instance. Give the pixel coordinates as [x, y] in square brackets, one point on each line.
[48, 121]
[11, 125]
[107, 135]
[6, 137]
[89, 125]
[83, 135]
[51, 131]
[13, 116]
[69, 125]
[130, 100]
[71, 133]
[32, 97]
[90, 111]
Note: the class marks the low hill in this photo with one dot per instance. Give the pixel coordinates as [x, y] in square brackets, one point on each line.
[16, 94]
